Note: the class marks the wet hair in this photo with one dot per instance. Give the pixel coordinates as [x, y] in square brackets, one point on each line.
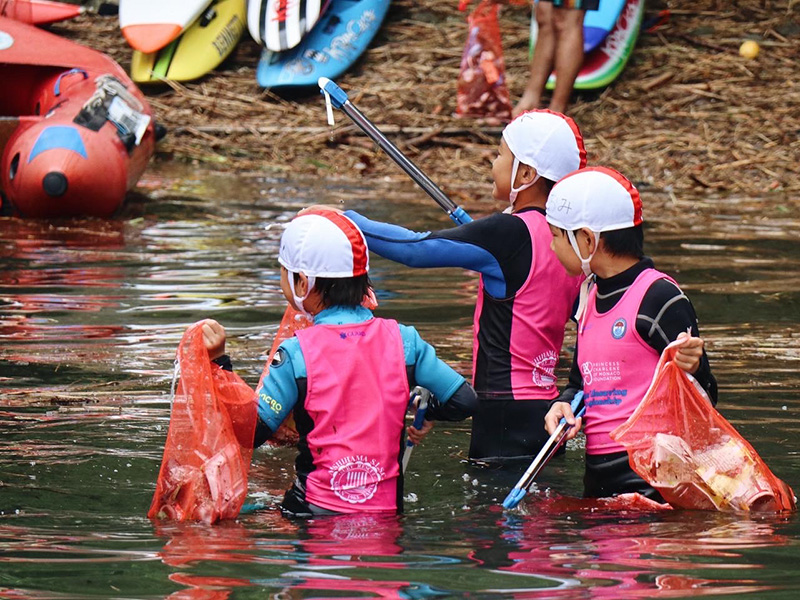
[624, 242]
[342, 291]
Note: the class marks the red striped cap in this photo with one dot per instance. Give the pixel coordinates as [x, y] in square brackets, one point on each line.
[599, 198]
[324, 243]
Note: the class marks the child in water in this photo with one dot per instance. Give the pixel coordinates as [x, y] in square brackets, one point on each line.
[524, 296]
[347, 378]
[628, 313]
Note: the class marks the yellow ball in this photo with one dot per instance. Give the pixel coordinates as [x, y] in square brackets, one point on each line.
[749, 49]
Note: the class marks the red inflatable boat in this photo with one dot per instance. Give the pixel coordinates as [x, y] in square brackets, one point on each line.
[39, 12]
[75, 132]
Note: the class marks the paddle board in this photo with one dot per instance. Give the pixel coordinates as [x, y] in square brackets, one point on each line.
[341, 36]
[201, 48]
[606, 62]
[38, 12]
[597, 24]
[279, 25]
[149, 25]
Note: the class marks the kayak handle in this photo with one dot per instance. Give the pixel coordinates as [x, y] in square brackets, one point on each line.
[57, 88]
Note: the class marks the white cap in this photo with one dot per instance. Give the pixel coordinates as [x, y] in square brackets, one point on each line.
[598, 198]
[324, 243]
[548, 141]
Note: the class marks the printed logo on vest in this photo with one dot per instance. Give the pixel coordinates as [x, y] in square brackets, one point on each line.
[599, 397]
[619, 328]
[544, 368]
[604, 371]
[355, 479]
[346, 334]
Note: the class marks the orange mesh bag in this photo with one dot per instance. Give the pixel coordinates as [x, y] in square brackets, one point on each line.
[209, 445]
[482, 90]
[691, 454]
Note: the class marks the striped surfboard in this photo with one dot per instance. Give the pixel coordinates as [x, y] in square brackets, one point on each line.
[279, 25]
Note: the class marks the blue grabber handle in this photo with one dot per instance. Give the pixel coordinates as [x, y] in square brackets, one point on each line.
[57, 86]
[339, 99]
[545, 454]
[424, 396]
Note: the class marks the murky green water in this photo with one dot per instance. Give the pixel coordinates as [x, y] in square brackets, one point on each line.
[91, 313]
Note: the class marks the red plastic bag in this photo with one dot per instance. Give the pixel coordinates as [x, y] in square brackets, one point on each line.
[203, 475]
[482, 90]
[691, 454]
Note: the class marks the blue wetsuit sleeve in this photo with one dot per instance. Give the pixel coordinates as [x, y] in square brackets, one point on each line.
[277, 394]
[441, 379]
[456, 247]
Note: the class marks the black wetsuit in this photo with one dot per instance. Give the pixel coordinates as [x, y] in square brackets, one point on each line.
[500, 248]
[664, 313]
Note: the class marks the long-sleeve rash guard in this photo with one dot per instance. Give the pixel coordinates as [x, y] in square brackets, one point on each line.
[284, 387]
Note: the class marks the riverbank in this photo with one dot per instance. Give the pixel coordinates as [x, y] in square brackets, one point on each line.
[688, 115]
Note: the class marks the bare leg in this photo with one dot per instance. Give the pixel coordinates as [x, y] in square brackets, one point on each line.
[568, 25]
[543, 57]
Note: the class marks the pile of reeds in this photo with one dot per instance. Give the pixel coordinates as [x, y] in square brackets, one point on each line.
[688, 114]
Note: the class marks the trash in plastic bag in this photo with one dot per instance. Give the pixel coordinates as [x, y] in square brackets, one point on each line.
[685, 449]
[203, 475]
[482, 90]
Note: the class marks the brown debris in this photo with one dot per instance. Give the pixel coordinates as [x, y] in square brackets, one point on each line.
[687, 114]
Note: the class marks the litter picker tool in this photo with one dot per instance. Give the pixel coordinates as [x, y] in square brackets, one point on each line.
[545, 454]
[336, 96]
[421, 396]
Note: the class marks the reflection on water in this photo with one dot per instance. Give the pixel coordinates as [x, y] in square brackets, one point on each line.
[91, 313]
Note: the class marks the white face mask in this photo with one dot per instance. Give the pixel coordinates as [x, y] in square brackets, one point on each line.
[297, 299]
[512, 196]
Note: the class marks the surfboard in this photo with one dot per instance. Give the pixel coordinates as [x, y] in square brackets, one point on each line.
[341, 36]
[597, 24]
[279, 25]
[606, 62]
[149, 25]
[199, 49]
[39, 12]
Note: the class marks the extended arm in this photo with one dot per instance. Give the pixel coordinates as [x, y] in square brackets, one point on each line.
[497, 246]
[453, 399]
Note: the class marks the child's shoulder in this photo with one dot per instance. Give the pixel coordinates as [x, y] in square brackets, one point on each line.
[289, 352]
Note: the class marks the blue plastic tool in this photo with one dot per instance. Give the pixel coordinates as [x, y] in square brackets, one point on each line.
[421, 395]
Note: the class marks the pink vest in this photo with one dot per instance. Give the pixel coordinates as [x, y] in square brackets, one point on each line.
[616, 363]
[357, 398]
[541, 309]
